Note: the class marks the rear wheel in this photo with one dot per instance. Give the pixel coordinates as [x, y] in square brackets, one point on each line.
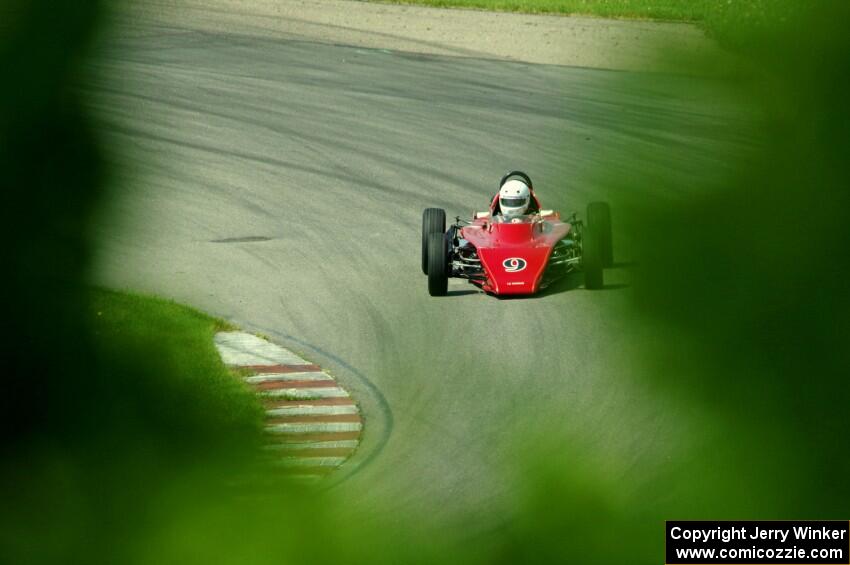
[433, 221]
[599, 219]
[438, 277]
[591, 257]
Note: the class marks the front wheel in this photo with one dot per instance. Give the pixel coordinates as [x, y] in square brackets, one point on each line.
[433, 221]
[438, 263]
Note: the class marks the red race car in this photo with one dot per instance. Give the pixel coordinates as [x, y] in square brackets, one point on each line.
[516, 247]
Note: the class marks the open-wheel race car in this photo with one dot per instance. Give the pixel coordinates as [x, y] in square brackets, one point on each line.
[504, 252]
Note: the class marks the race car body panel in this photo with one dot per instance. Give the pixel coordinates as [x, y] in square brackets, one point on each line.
[514, 254]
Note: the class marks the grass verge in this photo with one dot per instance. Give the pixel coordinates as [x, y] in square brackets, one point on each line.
[737, 24]
[174, 344]
[679, 10]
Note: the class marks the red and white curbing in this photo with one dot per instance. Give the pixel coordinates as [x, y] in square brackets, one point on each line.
[312, 421]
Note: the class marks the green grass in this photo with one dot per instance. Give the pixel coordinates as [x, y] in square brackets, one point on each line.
[173, 345]
[736, 24]
[680, 10]
[243, 372]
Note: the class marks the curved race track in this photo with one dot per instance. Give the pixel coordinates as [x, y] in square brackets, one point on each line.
[280, 184]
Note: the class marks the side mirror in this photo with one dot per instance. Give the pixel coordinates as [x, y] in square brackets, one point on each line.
[482, 215]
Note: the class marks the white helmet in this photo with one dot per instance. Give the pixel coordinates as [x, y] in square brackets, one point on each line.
[514, 197]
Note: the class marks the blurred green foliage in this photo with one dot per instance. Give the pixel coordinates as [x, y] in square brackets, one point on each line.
[747, 284]
[109, 455]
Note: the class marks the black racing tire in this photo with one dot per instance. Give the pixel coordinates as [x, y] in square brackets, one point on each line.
[433, 221]
[438, 263]
[599, 219]
[591, 258]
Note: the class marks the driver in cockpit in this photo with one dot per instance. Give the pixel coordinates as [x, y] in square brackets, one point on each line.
[515, 199]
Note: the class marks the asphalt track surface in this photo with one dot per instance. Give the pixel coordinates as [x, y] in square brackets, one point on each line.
[280, 184]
